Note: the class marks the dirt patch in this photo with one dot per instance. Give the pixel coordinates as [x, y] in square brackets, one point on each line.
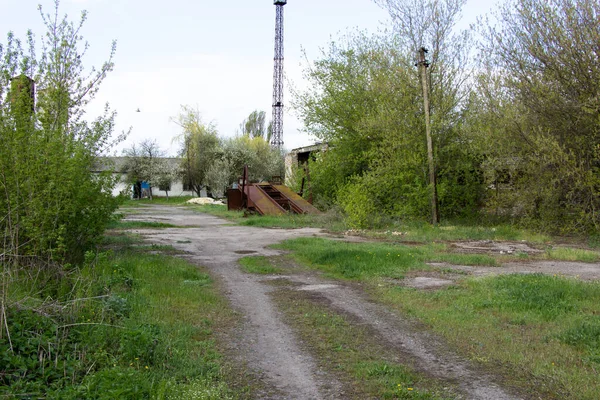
[579, 270]
[427, 282]
[492, 247]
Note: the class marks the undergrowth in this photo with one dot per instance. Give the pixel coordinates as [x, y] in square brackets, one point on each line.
[126, 325]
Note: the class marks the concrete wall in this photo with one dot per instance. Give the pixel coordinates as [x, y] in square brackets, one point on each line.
[176, 189]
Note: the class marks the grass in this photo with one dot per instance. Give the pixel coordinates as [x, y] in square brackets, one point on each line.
[132, 324]
[363, 365]
[542, 332]
[120, 224]
[414, 231]
[367, 260]
[329, 221]
[258, 265]
[572, 254]
[162, 200]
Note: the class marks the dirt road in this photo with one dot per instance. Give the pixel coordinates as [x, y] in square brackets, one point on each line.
[271, 347]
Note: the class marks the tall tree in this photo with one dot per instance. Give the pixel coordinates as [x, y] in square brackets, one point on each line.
[365, 101]
[254, 125]
[199, 148]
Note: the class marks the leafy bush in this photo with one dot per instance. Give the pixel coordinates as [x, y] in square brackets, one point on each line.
[53, 206]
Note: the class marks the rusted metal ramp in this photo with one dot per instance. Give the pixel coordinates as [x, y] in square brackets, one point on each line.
[297, 204]
[269, 199]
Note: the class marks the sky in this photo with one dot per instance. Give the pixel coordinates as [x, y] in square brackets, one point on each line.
[215, 56]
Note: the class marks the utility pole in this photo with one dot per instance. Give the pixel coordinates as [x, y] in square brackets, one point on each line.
[423, 64]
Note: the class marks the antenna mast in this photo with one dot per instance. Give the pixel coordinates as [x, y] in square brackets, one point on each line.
[277, 134]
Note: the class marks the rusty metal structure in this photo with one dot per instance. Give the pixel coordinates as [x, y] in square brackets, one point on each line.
[267, 198]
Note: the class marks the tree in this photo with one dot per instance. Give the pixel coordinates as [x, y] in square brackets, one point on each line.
[52, 207]
[254, 125]
[364, 100]
[200, 147]
[538, 108]
[146, 163]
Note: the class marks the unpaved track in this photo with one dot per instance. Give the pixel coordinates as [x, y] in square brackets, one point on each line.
[267, 343]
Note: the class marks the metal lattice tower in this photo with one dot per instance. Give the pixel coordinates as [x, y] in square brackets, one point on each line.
[277, 135]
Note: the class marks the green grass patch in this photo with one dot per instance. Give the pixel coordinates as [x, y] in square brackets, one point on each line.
[162, 200]
[571, 254]
[541, 332]
[329, 221]
[128, 325]
[362, 364]
[258, 265]
[449, 231]
[120, 224]
[116, 239]
[363, 260]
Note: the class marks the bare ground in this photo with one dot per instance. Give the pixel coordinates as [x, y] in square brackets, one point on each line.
[273, 350]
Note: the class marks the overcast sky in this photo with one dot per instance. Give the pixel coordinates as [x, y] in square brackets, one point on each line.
[213, 55]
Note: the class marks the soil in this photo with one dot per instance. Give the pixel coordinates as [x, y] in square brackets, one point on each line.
[274, 351]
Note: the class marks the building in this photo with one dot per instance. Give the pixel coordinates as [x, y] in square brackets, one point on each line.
[300, 156]
[117, 166]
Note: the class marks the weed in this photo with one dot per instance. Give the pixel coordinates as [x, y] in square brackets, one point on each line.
[141, 325]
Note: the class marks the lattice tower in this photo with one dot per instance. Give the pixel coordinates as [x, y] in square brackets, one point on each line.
[277, 134]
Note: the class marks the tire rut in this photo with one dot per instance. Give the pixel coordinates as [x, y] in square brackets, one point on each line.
[267, 344]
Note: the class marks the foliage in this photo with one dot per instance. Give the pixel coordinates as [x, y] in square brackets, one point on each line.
[130, 325]
[254, 126]
[364, 103]
[146, 163]
[52, 206]
[535, 113]
[215, 163]
[200, 147]
[262, 160]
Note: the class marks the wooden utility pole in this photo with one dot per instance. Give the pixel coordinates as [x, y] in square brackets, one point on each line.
[423, 64]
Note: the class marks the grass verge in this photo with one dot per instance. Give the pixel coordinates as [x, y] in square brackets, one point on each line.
[127, 325]
[542, 332]
[572, 254]
[330, 221]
